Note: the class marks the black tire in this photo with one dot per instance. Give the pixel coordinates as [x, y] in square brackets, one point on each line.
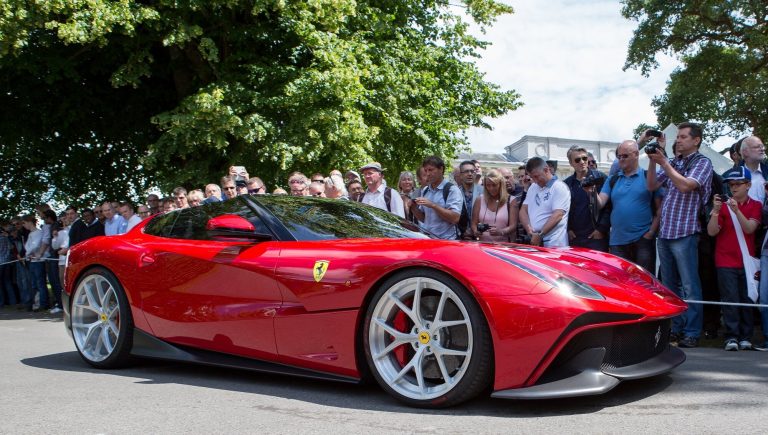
[102, 325]
[411, 360]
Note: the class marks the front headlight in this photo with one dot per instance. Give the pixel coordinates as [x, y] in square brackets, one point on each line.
[578, 289]
[551, 276]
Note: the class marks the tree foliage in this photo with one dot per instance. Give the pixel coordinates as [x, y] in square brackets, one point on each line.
[105, 98]
[723, 46]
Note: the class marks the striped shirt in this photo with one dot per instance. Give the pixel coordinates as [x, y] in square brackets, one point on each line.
[680, 211]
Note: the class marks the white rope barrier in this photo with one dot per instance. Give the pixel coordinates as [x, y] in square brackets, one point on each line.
[733, 304]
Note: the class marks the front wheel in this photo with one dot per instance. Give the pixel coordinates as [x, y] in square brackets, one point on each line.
[102, 326]
[426, 340]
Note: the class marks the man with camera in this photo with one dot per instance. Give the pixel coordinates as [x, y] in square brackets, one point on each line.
[588, 226]
[544, 214]
[687, 179]
[633, 209]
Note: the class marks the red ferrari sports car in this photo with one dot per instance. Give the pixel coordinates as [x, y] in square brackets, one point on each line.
[339, 290]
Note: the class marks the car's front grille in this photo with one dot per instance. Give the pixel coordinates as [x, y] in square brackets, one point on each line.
[625, 345]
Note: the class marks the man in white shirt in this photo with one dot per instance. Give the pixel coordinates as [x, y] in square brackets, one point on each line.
[377, 194]
[544, 214]
[126, 211]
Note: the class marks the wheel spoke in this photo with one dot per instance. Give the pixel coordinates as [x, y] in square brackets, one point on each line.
[443, 369]
[404, 308]
[93, 330]
[84, 325]
[410, 365]
[107, 295]
[106, 340]
[86, 307]
[442, 351]
[441, 307]
[90, 287]
[417, 301]
[399, 339]
[449, 323]
[419, 370]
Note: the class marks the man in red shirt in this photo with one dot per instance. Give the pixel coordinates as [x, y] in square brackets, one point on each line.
[729, 262]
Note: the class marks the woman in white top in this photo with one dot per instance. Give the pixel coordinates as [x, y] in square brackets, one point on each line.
[494, 214]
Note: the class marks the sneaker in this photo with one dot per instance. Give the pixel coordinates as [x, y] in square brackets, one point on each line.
[55, 310]
[688, 342]
[745, 345]
[674, 338]
[731, 345]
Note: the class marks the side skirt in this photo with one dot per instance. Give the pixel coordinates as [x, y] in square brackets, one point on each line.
[147, 346]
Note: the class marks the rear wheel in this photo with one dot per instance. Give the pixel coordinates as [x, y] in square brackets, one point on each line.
[426, 340]
[102, 326]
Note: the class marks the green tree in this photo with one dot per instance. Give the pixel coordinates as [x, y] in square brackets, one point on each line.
[723, 47]
[105, 98]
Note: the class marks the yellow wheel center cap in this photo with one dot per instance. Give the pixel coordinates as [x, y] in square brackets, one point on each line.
[103, 318]
[424, 337]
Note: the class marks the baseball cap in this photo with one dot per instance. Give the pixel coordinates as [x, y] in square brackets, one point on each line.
[738, 173]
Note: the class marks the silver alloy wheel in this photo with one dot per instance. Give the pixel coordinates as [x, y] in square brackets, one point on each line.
[96, 317]
[420, 338]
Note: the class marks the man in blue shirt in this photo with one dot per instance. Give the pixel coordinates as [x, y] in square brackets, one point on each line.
[634, 222]
[114, 224]
[438, 213]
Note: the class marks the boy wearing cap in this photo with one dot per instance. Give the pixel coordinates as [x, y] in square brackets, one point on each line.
[729, 262]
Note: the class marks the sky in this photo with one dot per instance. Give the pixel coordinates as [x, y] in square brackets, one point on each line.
[565, 59]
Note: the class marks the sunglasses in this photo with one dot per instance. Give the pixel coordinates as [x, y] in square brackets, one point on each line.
[252, 191]
[580, 159]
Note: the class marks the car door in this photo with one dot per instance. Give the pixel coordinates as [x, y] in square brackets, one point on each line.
[210, 293]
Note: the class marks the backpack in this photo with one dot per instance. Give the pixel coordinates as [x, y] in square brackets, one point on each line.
[461, 227]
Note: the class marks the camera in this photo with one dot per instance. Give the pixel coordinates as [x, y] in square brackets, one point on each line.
[481, 228]
[653, 148]
[654, 133]
[589, 181]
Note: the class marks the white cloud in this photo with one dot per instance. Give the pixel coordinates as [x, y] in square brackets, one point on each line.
[565, 59]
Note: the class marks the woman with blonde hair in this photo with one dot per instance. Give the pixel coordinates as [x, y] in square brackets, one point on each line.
[494, 215]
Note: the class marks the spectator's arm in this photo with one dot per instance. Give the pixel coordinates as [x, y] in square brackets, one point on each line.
[656, 219]
[525, 220]
[651, 181]
[418, 213]
[513, 211]
[475, 216]
[557, 216]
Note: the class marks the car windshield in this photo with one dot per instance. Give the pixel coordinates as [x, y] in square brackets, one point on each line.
[309, 218]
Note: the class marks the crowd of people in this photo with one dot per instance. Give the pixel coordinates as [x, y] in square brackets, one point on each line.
[676, 207]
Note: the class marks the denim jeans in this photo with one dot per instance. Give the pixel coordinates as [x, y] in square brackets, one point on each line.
[680, 273]
[37, 270]
[24, 281]
[642, 252]
[52, 270]
[7, 293]
[738, 321]
[763, 298]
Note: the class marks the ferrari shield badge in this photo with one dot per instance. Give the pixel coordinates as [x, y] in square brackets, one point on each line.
[321, 266]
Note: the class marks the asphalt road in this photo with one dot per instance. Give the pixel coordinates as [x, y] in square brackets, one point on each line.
[46, 388]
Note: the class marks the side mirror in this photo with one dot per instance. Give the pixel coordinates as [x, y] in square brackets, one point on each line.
[233, 228]
[230, 222]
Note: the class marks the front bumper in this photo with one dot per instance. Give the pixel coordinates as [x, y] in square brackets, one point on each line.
[590, 379]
